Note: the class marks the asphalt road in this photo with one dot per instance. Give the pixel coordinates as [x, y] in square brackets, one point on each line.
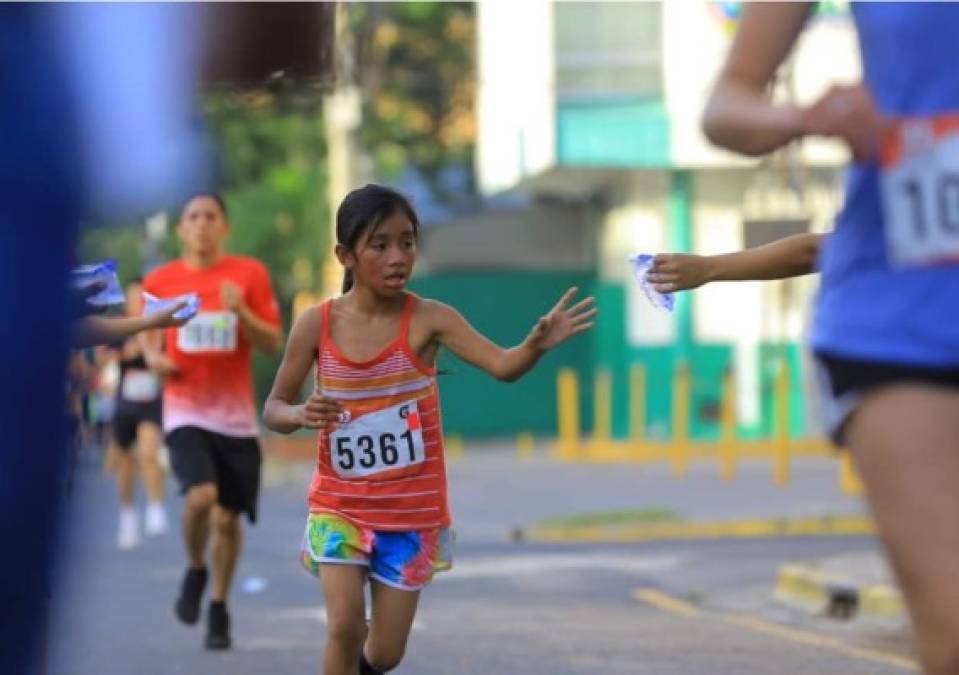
[700, 607]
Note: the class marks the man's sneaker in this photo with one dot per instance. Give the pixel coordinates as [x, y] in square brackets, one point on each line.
[188, 604]
[128, 532]
[155, 521]
[218, 626]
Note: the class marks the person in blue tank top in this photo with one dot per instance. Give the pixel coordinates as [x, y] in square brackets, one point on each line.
[886, 327]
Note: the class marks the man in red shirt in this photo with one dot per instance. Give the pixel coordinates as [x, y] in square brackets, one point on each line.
[208, 413]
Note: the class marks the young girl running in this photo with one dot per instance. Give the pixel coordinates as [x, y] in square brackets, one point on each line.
[378, 502]
[137, 426]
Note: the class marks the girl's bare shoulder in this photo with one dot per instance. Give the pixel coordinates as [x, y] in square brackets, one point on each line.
[308, 324]
[432, 312]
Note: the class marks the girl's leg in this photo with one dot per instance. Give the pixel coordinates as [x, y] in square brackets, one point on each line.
[149, 439]
[345, 617]
[128, 531]
[126, 470]
[392, 619]
[111, 458]
[906, 441]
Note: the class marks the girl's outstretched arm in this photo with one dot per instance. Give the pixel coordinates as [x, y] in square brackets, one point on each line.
[452, 331]
[281, 411]
[788, 257]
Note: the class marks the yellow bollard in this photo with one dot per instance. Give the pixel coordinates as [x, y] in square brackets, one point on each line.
[637, 402]
[727, 466]
[454, 446]
[781, 442]
[681, 421]
[525, 445]
[849, 481]
[567, 395]
[602, 406]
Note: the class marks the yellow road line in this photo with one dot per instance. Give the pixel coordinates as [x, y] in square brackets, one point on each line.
[730, 529]
[673, 605]
[666, 602]
[821, 642]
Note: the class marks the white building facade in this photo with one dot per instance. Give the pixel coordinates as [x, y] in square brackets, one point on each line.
[599, 105]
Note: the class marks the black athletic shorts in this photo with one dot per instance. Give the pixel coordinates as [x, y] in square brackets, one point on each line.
[232, 463]
[844, 382]
[128, 416]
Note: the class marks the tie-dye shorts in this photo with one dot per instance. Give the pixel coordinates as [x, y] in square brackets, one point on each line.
[404, 560]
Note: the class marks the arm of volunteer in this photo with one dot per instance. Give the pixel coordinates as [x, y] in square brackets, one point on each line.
[456, 334]
[740, 114]
[262, 334]
[788, 257]
[281, 412]
[95, 330]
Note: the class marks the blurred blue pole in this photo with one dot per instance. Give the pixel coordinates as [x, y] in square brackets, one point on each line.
[39, 210]
[98, 116]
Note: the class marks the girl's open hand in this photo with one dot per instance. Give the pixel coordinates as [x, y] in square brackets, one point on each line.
[562, 322]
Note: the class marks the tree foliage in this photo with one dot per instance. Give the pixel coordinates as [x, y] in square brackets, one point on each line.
[416, 67]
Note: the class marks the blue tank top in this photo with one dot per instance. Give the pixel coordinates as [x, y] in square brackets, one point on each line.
[867, 309]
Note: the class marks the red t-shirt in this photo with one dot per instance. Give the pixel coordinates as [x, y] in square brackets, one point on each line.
[214, 388]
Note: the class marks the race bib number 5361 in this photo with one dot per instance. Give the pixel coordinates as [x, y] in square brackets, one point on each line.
[920, 190]
[380, 441]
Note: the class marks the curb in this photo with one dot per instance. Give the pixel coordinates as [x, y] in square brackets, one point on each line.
[671, 531]
[836, 596]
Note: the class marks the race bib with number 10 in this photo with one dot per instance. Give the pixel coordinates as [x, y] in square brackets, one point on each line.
[380, 441]
[920, 190]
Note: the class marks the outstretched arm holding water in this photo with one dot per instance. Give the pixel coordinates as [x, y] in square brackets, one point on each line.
[788, 257]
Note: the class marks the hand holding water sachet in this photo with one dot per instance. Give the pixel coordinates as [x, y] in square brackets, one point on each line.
[153, 305]
[641, 264]
[103, 274]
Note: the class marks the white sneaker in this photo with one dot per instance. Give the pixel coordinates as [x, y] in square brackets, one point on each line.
[156, 521]
[128, 534]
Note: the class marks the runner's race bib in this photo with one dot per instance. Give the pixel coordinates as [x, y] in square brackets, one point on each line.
[140, 386]
[380, 441]
[920, 190]
[208, 332]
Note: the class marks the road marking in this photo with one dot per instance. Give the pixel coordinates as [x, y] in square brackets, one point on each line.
[514, 565]
[821, 641]
[668, 603]
[693, 531]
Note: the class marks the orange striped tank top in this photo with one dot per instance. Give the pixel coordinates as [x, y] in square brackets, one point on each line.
[382, 466]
